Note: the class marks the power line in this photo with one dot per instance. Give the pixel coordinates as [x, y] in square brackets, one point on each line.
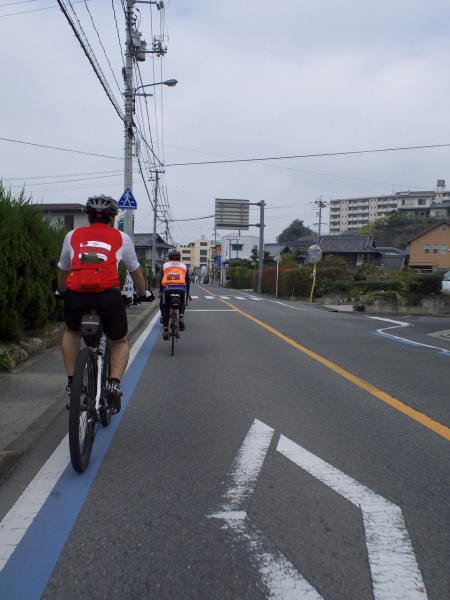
[103, 47]
[91, 57]
[321, 155]
[61, 149]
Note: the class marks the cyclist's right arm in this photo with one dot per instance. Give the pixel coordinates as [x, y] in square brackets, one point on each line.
[65, 263]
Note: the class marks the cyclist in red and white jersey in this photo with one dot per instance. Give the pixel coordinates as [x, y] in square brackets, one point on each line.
[88, 278]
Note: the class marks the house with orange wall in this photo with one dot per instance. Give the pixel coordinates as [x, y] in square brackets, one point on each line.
[430, 250]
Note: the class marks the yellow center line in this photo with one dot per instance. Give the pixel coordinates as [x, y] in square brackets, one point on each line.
[403, 408]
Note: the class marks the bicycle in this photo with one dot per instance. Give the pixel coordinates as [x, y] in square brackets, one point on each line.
[174, 319]
[88, 401]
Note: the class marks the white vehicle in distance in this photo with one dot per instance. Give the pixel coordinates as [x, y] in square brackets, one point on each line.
[446, 283]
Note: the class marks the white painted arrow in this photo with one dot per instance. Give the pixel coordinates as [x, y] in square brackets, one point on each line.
[393, 565]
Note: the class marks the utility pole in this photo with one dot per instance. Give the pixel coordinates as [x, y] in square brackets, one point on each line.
[135, 49]
[321, 204]
[155, 214]
[129, 99]
[261, 205]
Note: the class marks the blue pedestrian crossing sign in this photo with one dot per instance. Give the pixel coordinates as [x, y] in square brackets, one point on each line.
[127, 200]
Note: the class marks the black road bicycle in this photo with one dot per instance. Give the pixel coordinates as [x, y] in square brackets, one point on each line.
[88, 402]
[174, 319]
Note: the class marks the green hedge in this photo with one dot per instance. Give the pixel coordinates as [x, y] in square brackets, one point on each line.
[332, 276]
[241, 278]
[29, 251]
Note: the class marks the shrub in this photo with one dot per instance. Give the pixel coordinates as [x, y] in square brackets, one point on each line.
[29, 252]
[241, 277]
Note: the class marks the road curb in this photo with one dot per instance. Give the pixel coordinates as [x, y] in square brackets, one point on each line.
[12, 454]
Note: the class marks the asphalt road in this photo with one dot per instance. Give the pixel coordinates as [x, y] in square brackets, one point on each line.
[284, 451]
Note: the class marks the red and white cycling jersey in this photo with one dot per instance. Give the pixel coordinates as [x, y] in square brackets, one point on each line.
[92, 255]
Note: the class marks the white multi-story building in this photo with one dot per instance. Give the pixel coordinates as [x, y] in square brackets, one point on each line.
[353, 213]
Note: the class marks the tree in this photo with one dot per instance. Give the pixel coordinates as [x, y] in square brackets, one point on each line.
[255, 255]
[295, 231]
[396, 229]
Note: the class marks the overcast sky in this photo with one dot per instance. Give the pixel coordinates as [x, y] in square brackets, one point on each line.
[257, 79]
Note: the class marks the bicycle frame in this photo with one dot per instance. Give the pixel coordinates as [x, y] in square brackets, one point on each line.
[174, 318]
[88, 403]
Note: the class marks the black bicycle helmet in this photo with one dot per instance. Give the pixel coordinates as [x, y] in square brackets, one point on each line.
[174, 254]
[102, 204]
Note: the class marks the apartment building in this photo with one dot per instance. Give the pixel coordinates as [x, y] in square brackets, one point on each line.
[198, 254]
[350, 214]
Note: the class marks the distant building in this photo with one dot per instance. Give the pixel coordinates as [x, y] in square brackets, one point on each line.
[143, 243]
[238, 246]
[430, 249]
[69, 215]
[198, 255]
[351, 214]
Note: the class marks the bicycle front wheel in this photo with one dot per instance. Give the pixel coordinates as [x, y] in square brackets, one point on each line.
[82, 408]
[105, 413]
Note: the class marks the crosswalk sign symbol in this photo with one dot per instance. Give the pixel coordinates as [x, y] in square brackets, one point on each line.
[127, 200]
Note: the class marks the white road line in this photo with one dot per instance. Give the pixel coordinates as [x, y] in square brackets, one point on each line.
[225, 297]
[279, 575]
[210, 297]
[16, 522]
[396, 338]
[191, 310]
[247, 465]
[393, 565]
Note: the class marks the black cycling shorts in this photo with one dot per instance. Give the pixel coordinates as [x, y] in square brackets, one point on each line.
[110, 307]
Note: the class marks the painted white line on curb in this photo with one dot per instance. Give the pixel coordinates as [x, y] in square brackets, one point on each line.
[17, 521]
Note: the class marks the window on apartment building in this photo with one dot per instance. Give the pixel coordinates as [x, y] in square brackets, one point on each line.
[435, 248]
[422, 202]
[203, 243]
[443, 248]
[427, 248]
[203, 259]
[69, 221]
[203, 252]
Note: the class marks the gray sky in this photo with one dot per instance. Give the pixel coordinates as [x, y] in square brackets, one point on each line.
[256, 79]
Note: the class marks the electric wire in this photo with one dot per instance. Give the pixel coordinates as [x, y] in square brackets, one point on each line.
[103, 47]
[4, 139]
[319, 155]
[90, 56]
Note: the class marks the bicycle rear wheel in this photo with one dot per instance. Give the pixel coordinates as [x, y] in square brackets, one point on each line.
[105, 413]
[81, 421]
[173, 328]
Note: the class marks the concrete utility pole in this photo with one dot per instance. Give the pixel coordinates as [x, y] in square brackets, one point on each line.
[321, 204]
[261, 245]
[135, 49]
[129, 99]
[155, 214]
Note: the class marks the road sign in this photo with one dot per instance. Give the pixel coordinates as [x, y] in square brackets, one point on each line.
[231, 214]
[127, 200]
[219, 260]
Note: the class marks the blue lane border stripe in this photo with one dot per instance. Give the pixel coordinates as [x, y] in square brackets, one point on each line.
[27, 572]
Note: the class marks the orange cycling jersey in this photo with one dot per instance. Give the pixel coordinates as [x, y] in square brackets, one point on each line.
[174, 273]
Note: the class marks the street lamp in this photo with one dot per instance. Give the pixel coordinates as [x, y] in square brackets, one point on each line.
[129, 96]
[168, 82]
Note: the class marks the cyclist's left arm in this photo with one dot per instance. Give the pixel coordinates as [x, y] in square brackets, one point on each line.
[188, 281]
[62, 278]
